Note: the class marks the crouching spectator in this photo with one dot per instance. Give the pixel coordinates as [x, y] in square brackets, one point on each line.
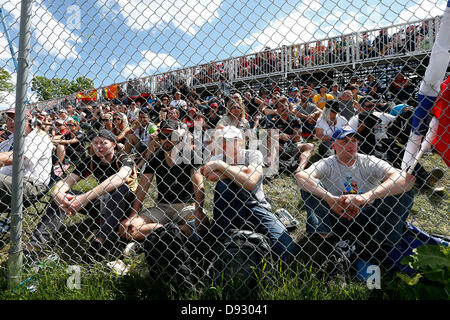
[117, 181]
[239, 197]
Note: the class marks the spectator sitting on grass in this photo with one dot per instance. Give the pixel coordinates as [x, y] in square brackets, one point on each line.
[239, 197]
[70, 145]
[37, 161]
[120, 129]
[322, 97]
[116, 177]
[307, 112]
[329, 120]
[235, 116]
[290, 141]
[180, 188]
[141, 140]
[355, 196]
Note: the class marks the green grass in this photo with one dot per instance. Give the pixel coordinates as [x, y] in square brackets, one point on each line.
[430, 212]
[99, 284]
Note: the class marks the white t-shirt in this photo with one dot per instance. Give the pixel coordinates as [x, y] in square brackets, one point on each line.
[37, 156]
[380, 129]
[329, 130]
[133, 114]
[365, 174]
[254, 157]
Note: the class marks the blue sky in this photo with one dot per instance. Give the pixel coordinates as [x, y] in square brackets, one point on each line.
[120, 39]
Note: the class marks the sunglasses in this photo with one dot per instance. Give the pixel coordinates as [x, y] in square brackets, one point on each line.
[115, 119]
[71, 125]
[235, 107]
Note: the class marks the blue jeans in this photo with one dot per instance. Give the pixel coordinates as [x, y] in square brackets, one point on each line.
[383, 221]
[234, 208]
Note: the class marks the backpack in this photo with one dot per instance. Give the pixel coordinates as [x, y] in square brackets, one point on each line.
[168, 258]
[239, 263]
[333, 258]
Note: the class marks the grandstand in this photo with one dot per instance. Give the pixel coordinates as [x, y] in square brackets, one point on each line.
[333, 59]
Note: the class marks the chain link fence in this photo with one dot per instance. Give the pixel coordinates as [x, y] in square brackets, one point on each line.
[194, 140]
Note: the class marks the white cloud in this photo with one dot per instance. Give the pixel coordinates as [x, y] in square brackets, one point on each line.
[187, 16]
[52, 35]
[5, 53]
[294, 28]
[150, 63]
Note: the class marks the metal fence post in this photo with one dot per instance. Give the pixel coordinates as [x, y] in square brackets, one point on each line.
[15, 253]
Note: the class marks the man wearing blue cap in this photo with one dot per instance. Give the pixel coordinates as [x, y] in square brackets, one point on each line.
[356, 196]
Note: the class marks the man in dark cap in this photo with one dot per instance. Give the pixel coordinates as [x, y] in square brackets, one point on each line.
[366, 123]
[117, 181]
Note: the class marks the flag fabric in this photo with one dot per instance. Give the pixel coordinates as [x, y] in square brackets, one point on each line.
[112, 92]
[428, 92]
[88, 96]
[441, 111]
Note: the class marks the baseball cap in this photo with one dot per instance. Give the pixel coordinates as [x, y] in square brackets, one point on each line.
[170, 129]
[13, 111]
[294, 89]
[398, 109]
[341, 133]
[214, 105]
[107, 135]
[229, 133]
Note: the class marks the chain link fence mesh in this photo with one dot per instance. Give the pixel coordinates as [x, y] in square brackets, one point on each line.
[157, 128]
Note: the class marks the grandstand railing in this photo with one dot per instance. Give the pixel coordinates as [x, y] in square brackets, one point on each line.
[346, 50]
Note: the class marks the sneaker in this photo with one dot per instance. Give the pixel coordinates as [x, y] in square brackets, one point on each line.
[287, 219]
[119, 267]
[132, 249]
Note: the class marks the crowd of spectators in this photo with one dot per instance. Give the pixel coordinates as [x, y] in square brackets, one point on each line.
[308, 117]
[314, 109]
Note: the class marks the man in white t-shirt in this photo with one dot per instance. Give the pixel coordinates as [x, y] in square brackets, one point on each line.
[133, 113]
[239, 197]
[179, 104]
[37, 161]
[356, 196]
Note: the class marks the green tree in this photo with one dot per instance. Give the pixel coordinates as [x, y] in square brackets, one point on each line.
[6, 86]
[47, 89]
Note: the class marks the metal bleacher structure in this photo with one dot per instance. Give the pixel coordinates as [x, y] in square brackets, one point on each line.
[333, 59]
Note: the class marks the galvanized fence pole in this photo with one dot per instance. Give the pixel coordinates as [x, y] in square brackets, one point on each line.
[15, 253]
